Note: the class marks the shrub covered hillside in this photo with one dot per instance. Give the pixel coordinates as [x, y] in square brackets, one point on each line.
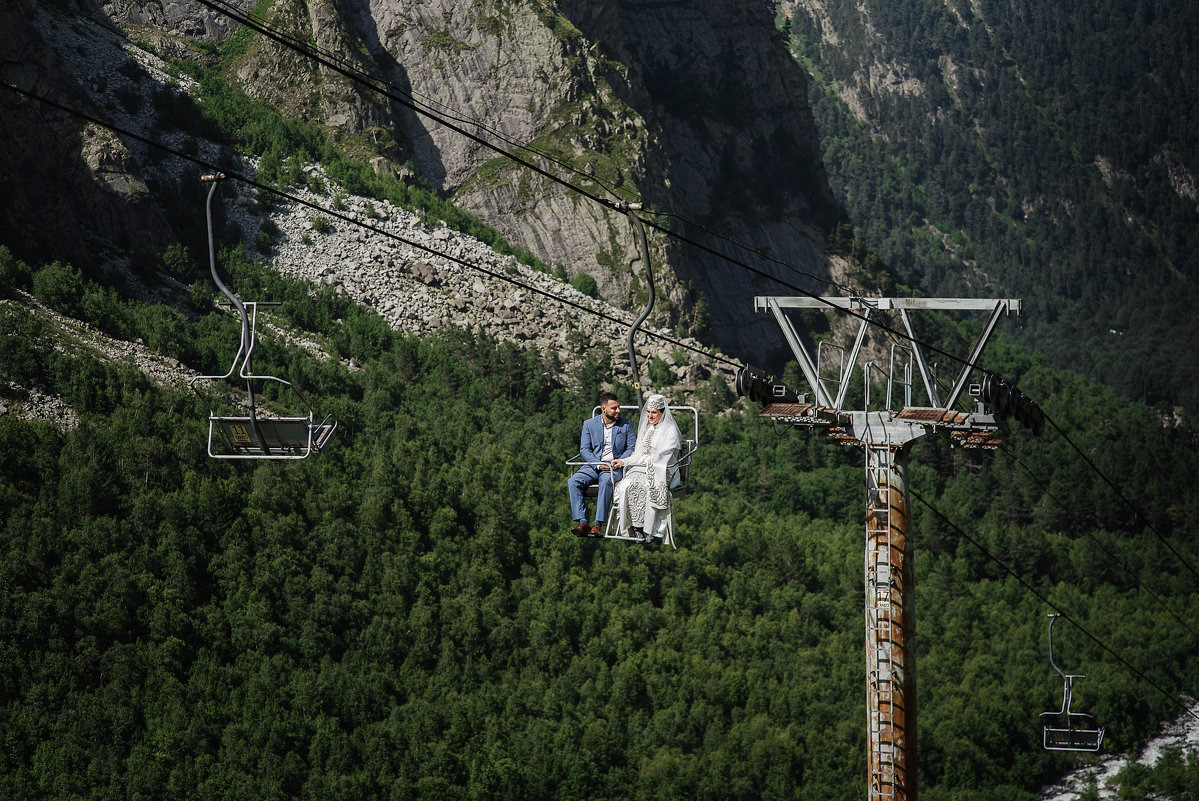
[406, 616]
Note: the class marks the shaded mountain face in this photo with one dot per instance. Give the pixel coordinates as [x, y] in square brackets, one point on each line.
[732, 149]
[71, 188]
[1045, 151]
[696, 109]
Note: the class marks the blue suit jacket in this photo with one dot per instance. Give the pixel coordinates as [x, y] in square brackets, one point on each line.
[591, 443]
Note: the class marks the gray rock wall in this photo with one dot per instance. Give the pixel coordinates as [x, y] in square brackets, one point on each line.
[695, 108]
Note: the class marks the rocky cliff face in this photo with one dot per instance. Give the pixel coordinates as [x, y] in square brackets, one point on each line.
[695, 108]
[732, 146]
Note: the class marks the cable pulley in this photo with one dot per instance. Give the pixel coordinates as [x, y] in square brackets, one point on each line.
[1008, 401]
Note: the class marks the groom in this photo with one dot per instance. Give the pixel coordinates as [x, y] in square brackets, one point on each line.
[606, 441]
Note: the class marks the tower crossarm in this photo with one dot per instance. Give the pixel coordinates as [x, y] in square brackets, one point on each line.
[966, 429]
[901, 375]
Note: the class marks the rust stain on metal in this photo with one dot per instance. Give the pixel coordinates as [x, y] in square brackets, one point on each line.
[930, 415]
[789, 410]
[887, 668]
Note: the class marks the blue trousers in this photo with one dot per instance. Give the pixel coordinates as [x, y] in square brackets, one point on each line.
[579, 481]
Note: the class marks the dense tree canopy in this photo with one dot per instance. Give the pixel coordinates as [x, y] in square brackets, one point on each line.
[405, 616]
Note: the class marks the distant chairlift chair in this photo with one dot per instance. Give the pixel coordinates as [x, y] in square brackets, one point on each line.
[677, 470]
[255, 436]
[1066, 730]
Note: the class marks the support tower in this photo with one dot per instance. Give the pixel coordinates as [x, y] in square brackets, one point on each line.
[884, 428]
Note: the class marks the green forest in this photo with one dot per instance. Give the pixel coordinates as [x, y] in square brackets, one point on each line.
[1045, 151]
[406, 616]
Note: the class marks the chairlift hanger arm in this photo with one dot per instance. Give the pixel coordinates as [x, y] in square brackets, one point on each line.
[215, 179]
[628, 209]
[254, 437]
[1053, 616]
[246, 346]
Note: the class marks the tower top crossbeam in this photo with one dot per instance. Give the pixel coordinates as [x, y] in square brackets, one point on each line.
[828, 407]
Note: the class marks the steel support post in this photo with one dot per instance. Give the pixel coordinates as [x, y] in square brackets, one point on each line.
[890, 629]
[890, 571]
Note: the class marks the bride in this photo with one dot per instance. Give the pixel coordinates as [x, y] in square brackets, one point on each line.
[643, 505]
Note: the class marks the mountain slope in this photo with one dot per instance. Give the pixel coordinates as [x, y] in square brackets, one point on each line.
[700, 112]
[406, 615]
[1047, 152]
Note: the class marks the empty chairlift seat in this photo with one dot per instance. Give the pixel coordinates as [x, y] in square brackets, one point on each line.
[267, 437]
[1065, 729]
[255, 435]
[258, 435]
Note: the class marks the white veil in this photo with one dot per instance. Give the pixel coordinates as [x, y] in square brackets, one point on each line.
[658, 445]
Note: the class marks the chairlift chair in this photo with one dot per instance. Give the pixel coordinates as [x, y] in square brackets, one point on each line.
[255, 435]
[677, 470]
[1067, 730]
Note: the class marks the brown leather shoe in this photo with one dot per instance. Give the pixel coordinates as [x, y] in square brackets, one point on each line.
[581, 530]
[597, 530]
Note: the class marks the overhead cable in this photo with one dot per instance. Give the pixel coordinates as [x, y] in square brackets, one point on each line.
[378, 85]
[408, 97]
[1043, 484]
[382, 87]
[761, 253]
[1112, 485]
[346, 218]
[309, 48]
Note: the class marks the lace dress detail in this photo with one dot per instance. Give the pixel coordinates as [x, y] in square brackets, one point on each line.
[636, 499]
[643, 505]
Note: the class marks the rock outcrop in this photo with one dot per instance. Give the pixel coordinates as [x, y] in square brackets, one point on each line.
[418, 278]
[422, 279]
[697, 109]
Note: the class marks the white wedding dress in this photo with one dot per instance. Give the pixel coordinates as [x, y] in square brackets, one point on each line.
[643, 506]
